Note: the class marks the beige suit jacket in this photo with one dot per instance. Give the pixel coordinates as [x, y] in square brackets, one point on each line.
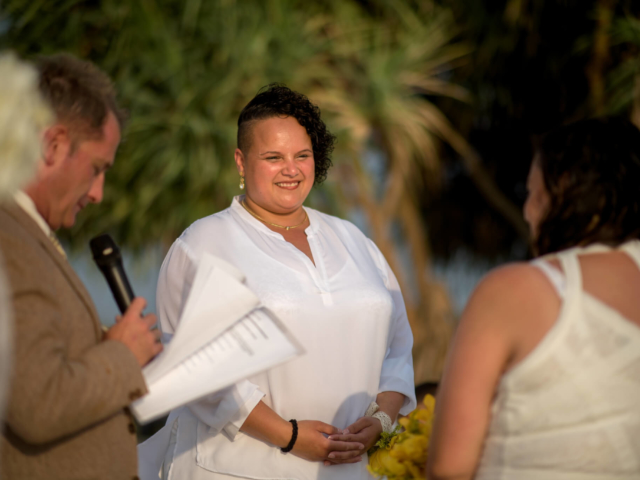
[66, 415]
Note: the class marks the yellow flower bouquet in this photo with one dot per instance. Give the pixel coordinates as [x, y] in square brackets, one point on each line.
[402, 454]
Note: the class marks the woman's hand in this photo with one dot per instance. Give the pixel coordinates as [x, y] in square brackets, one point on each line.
[313, 445]
[365, 431]
[312, 442]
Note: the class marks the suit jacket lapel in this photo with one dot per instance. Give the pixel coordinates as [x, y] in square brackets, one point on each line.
[65, 267]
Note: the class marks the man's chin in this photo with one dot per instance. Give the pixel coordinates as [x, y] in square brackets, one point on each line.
[68, 222]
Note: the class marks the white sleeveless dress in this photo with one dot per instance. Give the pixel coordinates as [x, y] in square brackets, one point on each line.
[571, 409]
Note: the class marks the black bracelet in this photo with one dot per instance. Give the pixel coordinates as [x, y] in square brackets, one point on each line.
[294, 437]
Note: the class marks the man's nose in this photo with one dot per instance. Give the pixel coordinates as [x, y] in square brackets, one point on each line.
[95, 194]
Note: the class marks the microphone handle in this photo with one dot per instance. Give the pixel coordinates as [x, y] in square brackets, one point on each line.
[119, 285]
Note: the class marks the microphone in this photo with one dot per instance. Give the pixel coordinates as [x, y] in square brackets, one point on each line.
[107, 256]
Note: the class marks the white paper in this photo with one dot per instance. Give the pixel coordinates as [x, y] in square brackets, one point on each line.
[223, 336]
[216, 301]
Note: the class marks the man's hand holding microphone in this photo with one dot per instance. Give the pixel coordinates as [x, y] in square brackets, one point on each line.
[132, 327]
[134, 330]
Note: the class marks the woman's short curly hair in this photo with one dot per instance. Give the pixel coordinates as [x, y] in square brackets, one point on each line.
[277, 100]
[590, 170]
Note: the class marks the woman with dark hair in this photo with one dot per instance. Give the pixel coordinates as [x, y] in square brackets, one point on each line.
[331, 287]
[543, 379]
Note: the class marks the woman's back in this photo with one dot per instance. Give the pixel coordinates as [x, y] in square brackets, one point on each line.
[543, 379]
[569, 408]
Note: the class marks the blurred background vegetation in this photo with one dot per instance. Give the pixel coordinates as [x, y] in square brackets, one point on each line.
[437, 107]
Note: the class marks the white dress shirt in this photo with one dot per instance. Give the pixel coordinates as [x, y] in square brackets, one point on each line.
[24, 201]
[346, 310]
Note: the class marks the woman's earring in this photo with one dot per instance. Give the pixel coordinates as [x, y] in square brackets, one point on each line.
[241, 182]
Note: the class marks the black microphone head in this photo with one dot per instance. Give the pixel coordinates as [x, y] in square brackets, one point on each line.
[107, 256]
[104, 249]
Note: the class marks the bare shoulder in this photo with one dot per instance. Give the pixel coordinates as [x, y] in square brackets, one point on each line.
[511, 295]
[512, 308]
[513, 283]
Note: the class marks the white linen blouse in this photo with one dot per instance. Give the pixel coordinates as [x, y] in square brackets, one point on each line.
[346, 310]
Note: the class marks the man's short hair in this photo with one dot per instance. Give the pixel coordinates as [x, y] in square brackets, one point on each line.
[80, 94]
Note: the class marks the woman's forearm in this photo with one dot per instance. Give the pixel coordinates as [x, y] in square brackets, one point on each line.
[390, 403]
[311, 442]
[432, 476]
[265, 424]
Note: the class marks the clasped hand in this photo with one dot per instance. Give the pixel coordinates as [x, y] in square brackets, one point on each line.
[313, 444]
[342, 446]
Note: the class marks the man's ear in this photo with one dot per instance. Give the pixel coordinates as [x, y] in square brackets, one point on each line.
[239, 159]
[56, 144]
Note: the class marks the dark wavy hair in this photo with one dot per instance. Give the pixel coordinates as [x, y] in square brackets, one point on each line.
[591, 170]
[277, 100]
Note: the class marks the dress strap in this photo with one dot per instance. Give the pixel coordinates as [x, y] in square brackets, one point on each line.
[555, 276]
[633, 250]
[571, 268]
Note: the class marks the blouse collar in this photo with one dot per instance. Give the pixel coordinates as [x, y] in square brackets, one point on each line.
[238, 209]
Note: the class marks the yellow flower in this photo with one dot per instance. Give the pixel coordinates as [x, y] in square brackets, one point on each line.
[413, 448]
[417, 472]
[382, 464]
[429, 401]
[391, 465]
[421, 414]
[403, 456]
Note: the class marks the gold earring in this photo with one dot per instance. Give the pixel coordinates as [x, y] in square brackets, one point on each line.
[241, 182]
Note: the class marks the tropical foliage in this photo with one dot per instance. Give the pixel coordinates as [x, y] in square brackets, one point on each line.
[382, 71]
[185, 69]
[624, 80]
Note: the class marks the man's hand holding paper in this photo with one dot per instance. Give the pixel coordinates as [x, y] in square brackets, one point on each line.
[222, 339]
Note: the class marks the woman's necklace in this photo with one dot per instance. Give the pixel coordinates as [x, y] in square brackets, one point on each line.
[274, 224]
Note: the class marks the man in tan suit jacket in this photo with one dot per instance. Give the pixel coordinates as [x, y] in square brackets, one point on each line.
[66, 416]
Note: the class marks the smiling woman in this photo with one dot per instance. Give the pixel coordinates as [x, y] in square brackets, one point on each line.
[332, 288]
[278, 168]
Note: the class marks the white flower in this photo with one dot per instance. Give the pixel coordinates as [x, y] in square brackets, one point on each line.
[23, 117]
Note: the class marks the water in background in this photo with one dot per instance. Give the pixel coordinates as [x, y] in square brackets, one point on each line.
[142, 270]
[461, 273]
